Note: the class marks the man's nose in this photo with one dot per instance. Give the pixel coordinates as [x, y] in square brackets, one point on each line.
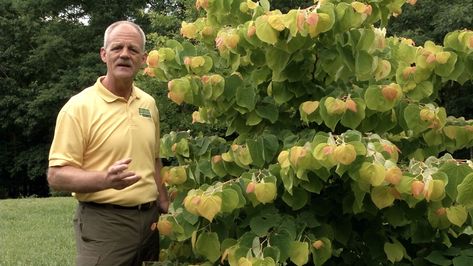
[125, 53]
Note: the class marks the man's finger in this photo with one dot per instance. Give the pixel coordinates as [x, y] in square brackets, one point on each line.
[123, 161]
[117, 169]
[128, 181]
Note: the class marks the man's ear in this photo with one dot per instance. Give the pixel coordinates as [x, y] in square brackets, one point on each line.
[103, 54]
[144, 58]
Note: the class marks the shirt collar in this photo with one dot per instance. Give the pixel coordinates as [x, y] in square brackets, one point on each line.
[109, 97]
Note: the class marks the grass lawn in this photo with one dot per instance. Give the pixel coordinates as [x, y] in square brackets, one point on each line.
[37, 231]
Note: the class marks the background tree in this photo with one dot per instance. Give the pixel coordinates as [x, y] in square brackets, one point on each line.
[49, 51]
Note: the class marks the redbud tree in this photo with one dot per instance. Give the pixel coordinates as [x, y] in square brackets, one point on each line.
[335, 153]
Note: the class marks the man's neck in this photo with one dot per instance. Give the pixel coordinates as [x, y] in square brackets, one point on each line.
[117, 87]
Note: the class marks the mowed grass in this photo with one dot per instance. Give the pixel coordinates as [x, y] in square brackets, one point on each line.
[37, 231]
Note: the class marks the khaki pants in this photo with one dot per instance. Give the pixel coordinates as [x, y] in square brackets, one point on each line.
[111, 237]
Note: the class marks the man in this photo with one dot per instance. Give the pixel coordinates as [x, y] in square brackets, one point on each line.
[105, 151]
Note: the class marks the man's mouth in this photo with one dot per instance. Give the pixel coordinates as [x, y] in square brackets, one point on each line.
[124, 65]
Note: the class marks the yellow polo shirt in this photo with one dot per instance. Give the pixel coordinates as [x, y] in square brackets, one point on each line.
[96, 128]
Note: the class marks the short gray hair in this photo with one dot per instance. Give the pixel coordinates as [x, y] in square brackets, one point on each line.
[118, 23]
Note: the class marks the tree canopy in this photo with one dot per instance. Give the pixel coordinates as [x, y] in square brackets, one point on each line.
[336, 150]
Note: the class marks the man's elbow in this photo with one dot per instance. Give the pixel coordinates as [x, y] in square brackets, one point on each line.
[52, 176]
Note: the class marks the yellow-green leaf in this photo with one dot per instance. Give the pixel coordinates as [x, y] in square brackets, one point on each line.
[299, 252]
[209, 206]
[264, 31]
[465, 192]
[457, 215]
[394, 251]
[382, 197]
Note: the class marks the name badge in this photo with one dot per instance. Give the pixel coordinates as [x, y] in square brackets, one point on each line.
[144, 112]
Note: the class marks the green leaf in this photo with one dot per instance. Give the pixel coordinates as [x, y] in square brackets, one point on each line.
[227, 243]
[271, 147]
[297, 200]
[230, 200]
[276, 59]
[457, 215]
[462, 261]
[256, 148]
[253, 119]
[246, 97]
[205, 68]
[363, 65]
[262, 222]
[445, 70]
[456, 174]
[438, 258]
[330, 120]
[451, 40]
[268, 111]
[264, 31]
[382, 197]
[232, 83]
[314, 185]
[282, 240]
[465, 191]
[375, 100]
[299, 252]
[423, 90]
[265, 5]
[352, 119]
[437, 221]
[433, 138]
[359, 197]
[232, 168]
[268, 261]
[287, 177]
[396, 216]
[241, 198]
[280, 92]
[260, 75]
[208, 246]
[412, 118]
[406, 53]
[321, 255]
[394, 251]
[272, 252]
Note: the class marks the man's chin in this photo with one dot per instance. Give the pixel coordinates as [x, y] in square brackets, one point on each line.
[124, 73]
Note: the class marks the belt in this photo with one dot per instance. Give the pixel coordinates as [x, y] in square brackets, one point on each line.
[139, 207]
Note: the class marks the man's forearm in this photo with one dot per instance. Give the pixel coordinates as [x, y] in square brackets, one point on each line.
[72, 179]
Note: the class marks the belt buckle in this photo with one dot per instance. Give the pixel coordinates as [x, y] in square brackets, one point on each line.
[144, 206]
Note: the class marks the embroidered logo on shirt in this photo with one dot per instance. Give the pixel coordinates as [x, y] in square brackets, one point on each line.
[144, 112]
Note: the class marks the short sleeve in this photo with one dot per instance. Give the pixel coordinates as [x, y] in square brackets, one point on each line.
[68, 144]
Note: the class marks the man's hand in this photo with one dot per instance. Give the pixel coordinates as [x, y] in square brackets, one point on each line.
[118, 178]
[163, 205]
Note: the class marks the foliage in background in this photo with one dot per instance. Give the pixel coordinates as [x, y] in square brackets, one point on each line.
[49, 51]
[432, 20]
[335, 147]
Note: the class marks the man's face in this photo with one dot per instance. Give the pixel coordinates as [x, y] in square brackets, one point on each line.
[124, 53]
